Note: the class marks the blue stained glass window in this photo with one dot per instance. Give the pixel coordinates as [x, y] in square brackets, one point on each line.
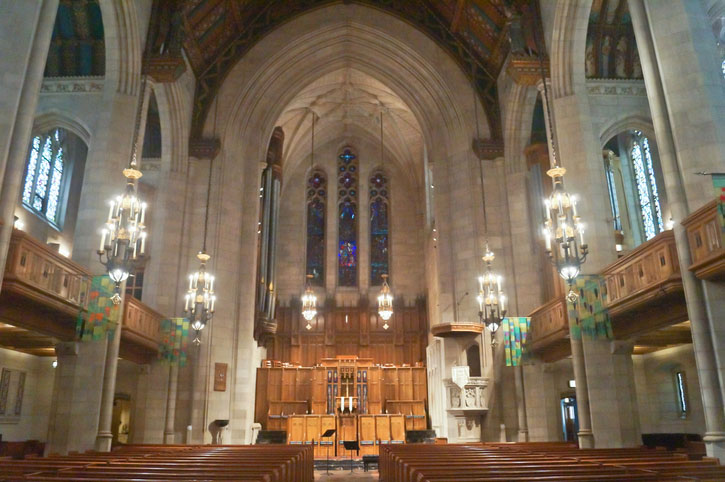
[316, 202]
[347, 254]
[646, 186]
[44, 175]
[379, 228]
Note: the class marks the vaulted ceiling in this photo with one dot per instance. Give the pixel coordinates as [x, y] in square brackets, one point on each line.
[220, 32]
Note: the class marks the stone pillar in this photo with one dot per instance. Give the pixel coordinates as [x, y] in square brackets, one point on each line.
[610, 383]
[169, 436]
[26, 28]
[76, 396]
[521, 404]
[104, 436]
[674, 103]
[542, 404]
[585, 434]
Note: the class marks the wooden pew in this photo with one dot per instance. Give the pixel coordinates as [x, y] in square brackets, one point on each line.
[170, 463]
[537, 461]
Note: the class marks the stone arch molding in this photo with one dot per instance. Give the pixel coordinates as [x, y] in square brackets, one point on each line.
[262, 84]
[52, 119]
[639, 123]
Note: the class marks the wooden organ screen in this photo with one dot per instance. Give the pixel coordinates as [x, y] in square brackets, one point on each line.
[285, 391]
[356, 331]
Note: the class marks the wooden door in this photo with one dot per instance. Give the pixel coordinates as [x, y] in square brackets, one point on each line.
[296, 429]
[405, 383]
[382, 429]
[312, 432]
[346, 430]
[374, 392]
[397, 429]
[319, 394]
[367, 435]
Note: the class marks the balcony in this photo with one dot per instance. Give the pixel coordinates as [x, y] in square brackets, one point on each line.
[549, 337]
[42, 294]
[644, 288]
[705, 238]
[42, 290]
[141, 333]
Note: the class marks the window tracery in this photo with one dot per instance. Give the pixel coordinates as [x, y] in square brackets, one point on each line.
[316, 204]
[347, 184]
[379, 228]
[44, 175]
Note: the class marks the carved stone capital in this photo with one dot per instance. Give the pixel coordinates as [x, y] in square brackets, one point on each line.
[488, 149]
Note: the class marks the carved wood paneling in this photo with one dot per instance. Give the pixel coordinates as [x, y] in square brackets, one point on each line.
[350, 331]
[644, 287]
[550, 330]
[705, 239]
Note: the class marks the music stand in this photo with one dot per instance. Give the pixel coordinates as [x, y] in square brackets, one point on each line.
[351, 445]
[328, 433]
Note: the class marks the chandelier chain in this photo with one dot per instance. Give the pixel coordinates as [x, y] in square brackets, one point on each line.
[540, 46]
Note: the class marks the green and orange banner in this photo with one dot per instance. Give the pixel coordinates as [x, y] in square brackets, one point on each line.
[515, 331]
[174, 340]
[100, 317]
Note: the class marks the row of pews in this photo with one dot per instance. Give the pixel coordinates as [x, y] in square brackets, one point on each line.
[538, 461]
[279, 463]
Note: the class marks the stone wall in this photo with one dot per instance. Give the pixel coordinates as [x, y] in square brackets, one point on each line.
[656, 395]
[32, 423]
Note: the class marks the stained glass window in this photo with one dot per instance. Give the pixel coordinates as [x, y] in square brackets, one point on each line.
[316, 201]
[647, 192]
[44, 175]
[379, 228]
[347, 182]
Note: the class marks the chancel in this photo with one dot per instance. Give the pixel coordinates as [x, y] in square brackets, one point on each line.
[405, 240]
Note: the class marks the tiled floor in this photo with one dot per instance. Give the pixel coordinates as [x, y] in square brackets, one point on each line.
[357, 475]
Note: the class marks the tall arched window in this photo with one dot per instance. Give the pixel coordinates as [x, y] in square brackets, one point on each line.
[379, 228]
[347, 182]
[44, 175]
[316, 201]
[644, 175]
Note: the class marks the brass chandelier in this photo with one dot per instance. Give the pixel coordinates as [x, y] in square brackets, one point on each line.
[123, 238]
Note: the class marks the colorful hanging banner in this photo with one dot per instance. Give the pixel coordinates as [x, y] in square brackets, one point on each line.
[718, 180]
[588, 315]
[515, 331]
[174, 340]
[101, 315]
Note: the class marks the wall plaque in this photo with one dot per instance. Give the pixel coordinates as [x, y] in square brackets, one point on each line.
[220, 377]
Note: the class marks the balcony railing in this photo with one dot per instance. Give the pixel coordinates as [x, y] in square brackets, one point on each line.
[644, 287]
[705, 238]
[42, 289]
[549, 337]
[141, 332]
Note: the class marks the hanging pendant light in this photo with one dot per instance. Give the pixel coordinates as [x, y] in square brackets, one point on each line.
[385, 302]
[491, 298]
[309, 299]
[123, 239]
[200, 300]
[385, 298]
[309, 303]
[562, 225]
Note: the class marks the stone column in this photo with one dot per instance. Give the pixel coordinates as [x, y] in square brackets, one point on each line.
[665, 125]
[104, 436]
[26, 28]
[521, 404]
[76, 396]
[585, 434]
[171, 404]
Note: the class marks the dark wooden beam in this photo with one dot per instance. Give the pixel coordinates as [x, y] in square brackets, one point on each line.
[456, 22]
